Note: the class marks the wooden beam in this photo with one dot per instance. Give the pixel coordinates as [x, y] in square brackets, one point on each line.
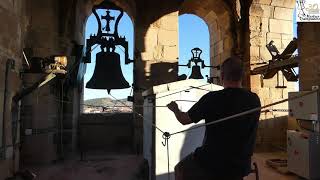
[277, 65]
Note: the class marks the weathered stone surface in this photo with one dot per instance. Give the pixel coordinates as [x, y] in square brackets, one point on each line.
[210, 16]
[151, 39]
[285, 42]
[43, 15]
[227, 43]
[36, 41]
[258, 38]
[10, 35]
[218, 59]
[216, 35]
[283, 13]
[170, 23]
[276, 38]
[283, 3]
[270, 83]
[224, 21]
[265, 24]
[254, 51]
[266, 2]
[281, 26]
[265, 54]
[168, 38]
[261, 10]
[225, 55]
[218, 47]
[255, 23]
[255, 82]
[170, 54]
[6, 4]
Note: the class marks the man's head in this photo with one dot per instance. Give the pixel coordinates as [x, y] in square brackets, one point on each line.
[232, 72]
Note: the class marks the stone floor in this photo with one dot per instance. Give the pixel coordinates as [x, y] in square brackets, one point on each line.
[128, 167]
[268, 173]
[111, 167]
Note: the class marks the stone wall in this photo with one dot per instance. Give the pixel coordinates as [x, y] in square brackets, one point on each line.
[106, 132]
[270, 20]
[11, 40]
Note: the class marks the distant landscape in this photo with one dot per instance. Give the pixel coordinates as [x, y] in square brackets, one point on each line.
[106, 105]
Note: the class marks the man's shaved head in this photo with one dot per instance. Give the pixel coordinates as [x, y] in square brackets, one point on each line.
[232, 69]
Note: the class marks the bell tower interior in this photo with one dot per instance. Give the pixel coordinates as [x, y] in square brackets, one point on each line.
[45, 68]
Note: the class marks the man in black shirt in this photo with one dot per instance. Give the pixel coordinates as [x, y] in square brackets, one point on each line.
[228, 146]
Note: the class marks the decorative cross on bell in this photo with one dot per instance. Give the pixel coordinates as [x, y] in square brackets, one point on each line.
[108, 18]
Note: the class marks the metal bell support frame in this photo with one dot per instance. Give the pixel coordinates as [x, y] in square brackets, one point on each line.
[107, 73]
[196, 69]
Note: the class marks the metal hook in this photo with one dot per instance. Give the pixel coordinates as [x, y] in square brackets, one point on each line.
[166, 136]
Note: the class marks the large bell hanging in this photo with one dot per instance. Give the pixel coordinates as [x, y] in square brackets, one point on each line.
[107, 73]
[196, 73]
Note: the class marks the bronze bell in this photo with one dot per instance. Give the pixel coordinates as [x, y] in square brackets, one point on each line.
[107, 72]
[196, 73]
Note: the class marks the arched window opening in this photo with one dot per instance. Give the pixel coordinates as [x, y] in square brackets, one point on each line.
[99, 101]
[193, 33]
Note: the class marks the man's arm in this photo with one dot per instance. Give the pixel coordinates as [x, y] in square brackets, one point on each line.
[182, 117]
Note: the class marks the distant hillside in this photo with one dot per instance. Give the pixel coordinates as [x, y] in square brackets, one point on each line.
[110, 105]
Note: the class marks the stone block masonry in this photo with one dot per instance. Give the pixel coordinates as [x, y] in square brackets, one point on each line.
[269, 20]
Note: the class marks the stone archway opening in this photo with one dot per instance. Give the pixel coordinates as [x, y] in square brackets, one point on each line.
[193, 32]
[217, 16]
[99, 101]
[108, 115]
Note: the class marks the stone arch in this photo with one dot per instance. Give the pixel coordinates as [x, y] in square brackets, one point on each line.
[217, 15]
[193, 32]
[125, 28]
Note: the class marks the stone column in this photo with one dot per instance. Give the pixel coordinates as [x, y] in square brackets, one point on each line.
[156, 59]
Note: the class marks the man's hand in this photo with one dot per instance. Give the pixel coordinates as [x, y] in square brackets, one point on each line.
[182, 117]
[173, 106]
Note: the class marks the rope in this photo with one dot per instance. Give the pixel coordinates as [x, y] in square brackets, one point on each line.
[166, 136]
[152, 124]
[246, 112]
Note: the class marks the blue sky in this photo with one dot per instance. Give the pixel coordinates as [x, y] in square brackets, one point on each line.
[193, 32]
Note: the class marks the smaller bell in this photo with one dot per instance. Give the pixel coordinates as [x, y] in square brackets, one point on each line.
[196, 73]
